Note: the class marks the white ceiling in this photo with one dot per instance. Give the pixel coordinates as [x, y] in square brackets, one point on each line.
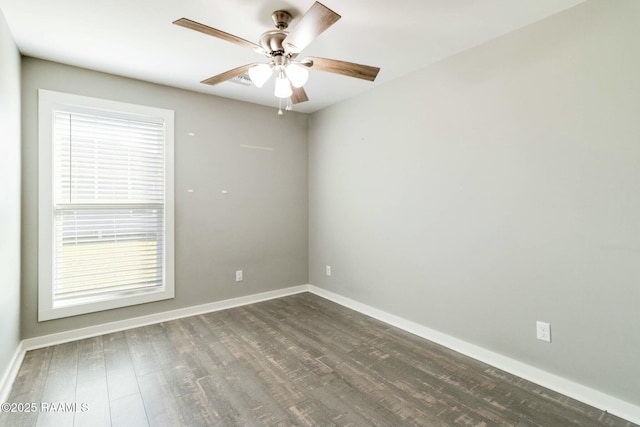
[136, 38]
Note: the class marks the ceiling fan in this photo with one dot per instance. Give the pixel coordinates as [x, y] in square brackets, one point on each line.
[282, 48]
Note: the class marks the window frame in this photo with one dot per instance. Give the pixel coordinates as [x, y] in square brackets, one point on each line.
[48, 101]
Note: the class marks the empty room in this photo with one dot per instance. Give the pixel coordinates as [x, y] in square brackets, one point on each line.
[334, 213]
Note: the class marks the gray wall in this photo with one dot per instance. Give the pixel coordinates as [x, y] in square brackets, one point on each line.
[9, 196]
[496, 188]
[259, 226]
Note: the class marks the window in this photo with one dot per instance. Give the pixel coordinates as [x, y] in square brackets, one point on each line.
[106, 205]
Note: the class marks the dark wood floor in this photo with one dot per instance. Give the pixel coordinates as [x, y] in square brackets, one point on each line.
[299, 360]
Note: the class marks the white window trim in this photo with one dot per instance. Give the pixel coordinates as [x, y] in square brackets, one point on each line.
[48, 100]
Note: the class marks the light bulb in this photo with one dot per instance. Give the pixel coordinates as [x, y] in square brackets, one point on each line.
[259, 74]
[283, 87]
[298, 74]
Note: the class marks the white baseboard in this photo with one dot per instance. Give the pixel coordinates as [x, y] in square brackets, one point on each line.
[121, 325]
[554, 382]
[6, 381]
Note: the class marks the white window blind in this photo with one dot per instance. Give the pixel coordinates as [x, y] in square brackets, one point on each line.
[109, 193]
[105, 217]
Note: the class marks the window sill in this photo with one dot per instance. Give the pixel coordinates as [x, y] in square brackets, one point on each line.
[94, 304]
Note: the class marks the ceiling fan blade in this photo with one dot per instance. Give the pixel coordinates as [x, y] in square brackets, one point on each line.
[227, 75]
[345, 68]
[193, 25]
[317, 19]
[298, 95]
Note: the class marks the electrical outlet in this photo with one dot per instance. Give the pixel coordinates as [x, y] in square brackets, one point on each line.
[543, 331]
[239, 276]
[327, 270]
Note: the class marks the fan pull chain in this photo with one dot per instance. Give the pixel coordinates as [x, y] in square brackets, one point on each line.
[280, 107]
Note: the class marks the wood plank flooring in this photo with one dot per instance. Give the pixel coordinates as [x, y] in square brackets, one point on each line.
[295, 361]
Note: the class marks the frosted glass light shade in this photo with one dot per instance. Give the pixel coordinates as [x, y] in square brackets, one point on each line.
[259, 74]
[283, 88]
[298, 74]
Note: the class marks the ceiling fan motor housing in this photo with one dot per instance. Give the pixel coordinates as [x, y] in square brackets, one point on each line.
[271, 42]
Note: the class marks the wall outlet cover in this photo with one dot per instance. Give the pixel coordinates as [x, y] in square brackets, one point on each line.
[543, 331]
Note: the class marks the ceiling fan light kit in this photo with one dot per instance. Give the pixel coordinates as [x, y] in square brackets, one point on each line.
[260, 73]
[282, 47]
[283, 87]
[297, 74]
